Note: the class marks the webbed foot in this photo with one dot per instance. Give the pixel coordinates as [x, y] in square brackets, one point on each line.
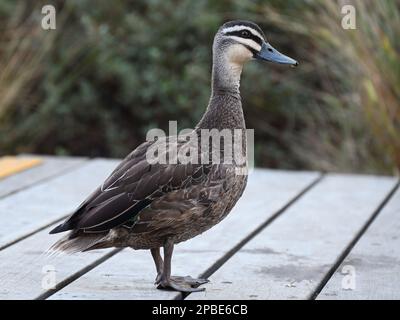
[183, 284]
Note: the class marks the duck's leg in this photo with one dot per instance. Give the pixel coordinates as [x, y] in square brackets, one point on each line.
[184, 284]
[159, 263]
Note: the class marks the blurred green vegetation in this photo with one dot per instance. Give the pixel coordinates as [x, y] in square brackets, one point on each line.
[114, 69]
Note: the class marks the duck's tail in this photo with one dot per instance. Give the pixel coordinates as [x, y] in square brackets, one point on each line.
[73, 243]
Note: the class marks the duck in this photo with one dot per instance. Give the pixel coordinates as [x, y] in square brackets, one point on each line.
[149, 204]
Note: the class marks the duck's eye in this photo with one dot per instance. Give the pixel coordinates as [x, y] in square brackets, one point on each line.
[245, 33]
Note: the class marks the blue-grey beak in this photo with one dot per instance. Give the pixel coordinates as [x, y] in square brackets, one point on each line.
[269, 53]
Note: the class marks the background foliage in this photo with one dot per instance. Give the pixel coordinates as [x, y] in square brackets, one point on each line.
[113, 69]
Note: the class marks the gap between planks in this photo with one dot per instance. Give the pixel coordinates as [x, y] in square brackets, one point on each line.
[347, 251]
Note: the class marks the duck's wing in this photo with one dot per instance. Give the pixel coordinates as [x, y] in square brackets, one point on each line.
[131, 187]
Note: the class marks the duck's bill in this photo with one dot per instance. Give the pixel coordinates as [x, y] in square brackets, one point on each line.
[269, 53]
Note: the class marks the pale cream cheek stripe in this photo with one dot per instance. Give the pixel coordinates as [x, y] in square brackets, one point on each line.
[248, 42]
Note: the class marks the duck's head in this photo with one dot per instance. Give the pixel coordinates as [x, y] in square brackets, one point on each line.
[240, 41]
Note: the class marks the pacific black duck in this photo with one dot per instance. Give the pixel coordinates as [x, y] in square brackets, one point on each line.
[146, 205]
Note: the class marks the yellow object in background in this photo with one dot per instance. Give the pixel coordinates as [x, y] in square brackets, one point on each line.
[10, 165]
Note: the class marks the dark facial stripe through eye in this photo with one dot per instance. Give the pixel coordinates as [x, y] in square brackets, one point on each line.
[246, 35]
[253, 51]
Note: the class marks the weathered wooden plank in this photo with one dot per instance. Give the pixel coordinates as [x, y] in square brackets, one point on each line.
[290, 258]
[29, 210]
[372, 269]
[27, 273]
[50, 167]
[130, 275]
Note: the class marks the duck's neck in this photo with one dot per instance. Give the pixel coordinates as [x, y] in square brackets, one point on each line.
[225, 75]
[224, 109]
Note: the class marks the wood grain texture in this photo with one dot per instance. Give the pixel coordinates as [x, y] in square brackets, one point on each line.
[290, 258]
[130, 274]
[374, 261]
[24, 267]
[32, 209]
[50, 167]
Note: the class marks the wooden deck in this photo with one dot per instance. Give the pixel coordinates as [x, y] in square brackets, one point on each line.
[293, 235]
